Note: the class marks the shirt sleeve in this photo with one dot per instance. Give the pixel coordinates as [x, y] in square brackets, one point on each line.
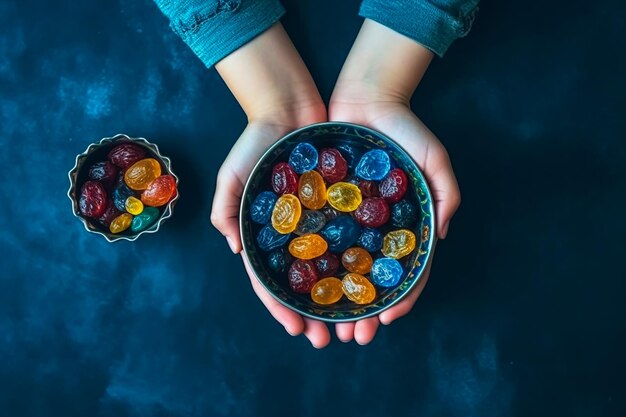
[432, 23]
[215, 28]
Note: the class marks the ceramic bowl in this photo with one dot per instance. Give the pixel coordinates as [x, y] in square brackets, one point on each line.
[333, 134]
[97, 152]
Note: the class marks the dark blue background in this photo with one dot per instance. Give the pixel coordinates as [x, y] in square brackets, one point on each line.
[524, 313]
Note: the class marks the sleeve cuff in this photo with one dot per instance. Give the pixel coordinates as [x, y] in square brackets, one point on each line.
[214, 29]
[425, 23]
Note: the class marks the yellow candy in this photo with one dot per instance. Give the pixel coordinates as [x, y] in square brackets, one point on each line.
[398, 244]
[344, 196]
[357, 260]
[286, 214]
[133, 205]
[327, 291]
[358, 288]
[141, 173]
[121, 223]
[308, 246]
[312, 190]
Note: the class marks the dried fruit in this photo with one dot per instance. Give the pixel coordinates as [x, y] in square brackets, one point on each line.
[93, 199]
[373, 212]
[327, 291]
[302, 276]
[394, 186]
[332, 165]
[284, 179]
[142, 173]
[308, 246]
[126, 154]
[159, 191]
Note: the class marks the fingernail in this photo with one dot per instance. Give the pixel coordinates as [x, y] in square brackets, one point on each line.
[231, 244]
[445, 229]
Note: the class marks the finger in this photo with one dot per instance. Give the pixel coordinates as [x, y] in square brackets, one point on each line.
[317, 333]
[291, 321]
[225, 210]
[444, 187]
[345, 331]
[365, 330]
[405, 306]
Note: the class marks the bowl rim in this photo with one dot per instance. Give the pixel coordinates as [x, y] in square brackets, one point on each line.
[72, 192]
[431, 206]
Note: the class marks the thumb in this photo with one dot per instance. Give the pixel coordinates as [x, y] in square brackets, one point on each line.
[225, 210]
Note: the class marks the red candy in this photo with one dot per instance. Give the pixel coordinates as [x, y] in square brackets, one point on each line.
[302, 276]
[368, 189]
[110, 213]
[126, 154]
[159, 191]
[104, 172]
[373, 212]
[93, 199]
[393, 187]
[284, 179]
[326, 265]
[332, 165]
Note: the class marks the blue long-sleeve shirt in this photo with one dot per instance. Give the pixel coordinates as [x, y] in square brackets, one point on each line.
[215, 28]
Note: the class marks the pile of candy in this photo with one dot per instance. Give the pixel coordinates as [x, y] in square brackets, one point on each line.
[362, 221]
[125, 191]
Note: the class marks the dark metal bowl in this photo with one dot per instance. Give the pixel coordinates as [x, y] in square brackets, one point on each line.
[333, 134]
[98, 152]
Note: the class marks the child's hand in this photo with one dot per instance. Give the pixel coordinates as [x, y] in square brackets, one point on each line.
[374, 89]
[276, 91]
[397, 121]
[256, 138]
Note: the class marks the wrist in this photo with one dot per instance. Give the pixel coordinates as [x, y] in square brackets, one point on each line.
[270, 81]
[290, 114]
[382, 65]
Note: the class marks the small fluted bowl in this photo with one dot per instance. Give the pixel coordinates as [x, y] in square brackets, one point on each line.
[333, 134]
[97, 152]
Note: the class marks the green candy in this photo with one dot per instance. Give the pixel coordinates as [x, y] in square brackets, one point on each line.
[145, 219]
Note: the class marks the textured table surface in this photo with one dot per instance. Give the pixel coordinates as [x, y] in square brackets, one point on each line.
[524, 313]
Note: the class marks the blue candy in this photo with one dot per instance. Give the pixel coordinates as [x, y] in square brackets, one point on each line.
[371, 239]
[268, 238]
[303, 158]
[120, 194]
[262, 206]
[351, 154]
[404, 214]
[341, 233]
[386, 272]
[279, 260]
[374, 165]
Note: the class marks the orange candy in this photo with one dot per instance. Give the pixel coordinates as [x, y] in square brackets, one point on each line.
[308, 246]
[142, 173]
[327, 291]
[312, 190]
[286, 214]
[358, 288]
[357, 260]
[159, 191]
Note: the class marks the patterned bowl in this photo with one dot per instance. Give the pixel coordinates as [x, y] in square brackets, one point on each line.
[97, 152]
[334, 134]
